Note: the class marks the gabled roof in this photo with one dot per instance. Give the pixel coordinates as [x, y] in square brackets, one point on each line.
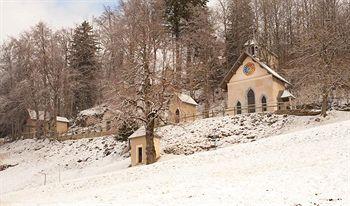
[186, 99]
[239, 62]
[286, 94]
[140, 132]
[32, 115]
[62, 119]
[251, 42]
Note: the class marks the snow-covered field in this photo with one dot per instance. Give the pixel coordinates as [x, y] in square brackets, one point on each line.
[58, 160]
[308, 165]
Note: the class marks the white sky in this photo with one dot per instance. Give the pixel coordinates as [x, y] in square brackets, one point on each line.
[17, 16]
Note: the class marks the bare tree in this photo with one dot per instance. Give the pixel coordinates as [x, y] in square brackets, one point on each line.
[35, 69]
[322, 61]
[240, 29]
[204, 71]
[145, 86]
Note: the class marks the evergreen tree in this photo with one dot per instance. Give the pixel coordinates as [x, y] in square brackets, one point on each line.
[178, 13]
[203, 71]
[240, 29]
[84, 61]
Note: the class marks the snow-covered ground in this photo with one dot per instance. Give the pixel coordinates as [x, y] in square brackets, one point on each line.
[304, 166]
[217, 132]
[58, 160]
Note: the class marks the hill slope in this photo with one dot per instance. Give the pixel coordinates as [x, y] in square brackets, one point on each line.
[307, 167]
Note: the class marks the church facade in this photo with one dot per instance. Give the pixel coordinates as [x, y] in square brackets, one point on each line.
[253, 86]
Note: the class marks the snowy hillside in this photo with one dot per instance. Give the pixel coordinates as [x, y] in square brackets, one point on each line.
[306, 167]
[217, 132]
[73, 158]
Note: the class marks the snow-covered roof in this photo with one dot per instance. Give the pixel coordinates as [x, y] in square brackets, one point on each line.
[62, 119]
[271, 71]
[239, 62]
[251, 42]
[286, 94]
[187, 99]
[98, 110]
[140, 132]
[32, 115]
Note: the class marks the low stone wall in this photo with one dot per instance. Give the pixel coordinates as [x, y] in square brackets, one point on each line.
[298, 112]
[84, 135]
[64, 137]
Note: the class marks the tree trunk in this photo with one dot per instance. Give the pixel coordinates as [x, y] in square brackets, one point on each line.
[53, 118]
[150, 149]
[150, 116]
[178, 60]
[206, 108]
[324, 104]
[37, 123]
[206, 101]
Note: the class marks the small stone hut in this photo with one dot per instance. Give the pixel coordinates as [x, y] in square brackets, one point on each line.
[138, 146]
[182, 108]
[62, 125]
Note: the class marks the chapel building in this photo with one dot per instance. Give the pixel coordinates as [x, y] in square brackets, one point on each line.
[253, 85]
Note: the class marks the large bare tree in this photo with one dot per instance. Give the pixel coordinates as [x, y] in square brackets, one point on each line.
[145, 85]
[322, 54]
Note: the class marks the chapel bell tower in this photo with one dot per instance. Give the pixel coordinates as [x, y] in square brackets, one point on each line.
[251, 47]
[263, 54]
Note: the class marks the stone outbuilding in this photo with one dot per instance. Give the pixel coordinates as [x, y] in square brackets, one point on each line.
[62, 123]
[182, 108]
[138, 146]
[253, 86]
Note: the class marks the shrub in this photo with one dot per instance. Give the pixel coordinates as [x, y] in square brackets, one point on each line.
[126, 129]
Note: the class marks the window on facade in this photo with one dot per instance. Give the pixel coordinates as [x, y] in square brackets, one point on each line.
[252, 50]
[255, 51]
[264, 104]
[239, 107]
[251, 101]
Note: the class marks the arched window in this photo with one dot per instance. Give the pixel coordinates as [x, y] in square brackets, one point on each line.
[251, 101]
[253, 50]
[263, 104]
[177, 116]
[239, 107]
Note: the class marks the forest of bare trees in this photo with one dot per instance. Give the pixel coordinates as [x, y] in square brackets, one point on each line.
[136, 54]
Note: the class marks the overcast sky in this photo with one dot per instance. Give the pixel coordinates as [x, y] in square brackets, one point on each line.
[17, 16]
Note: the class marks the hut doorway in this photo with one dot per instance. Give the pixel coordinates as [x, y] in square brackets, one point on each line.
[177, 116]
[139, 154]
